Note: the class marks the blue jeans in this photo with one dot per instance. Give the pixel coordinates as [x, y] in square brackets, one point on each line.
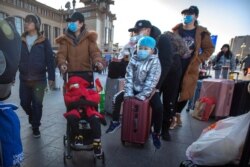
[31, 98]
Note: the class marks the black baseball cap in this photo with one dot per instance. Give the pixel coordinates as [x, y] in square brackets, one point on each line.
[76, 16]
[191, 10]
[139, 25]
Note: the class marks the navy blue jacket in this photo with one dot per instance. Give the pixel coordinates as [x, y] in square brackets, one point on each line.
[34, 64]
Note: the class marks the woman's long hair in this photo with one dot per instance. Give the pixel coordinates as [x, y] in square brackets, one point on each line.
[228, 54]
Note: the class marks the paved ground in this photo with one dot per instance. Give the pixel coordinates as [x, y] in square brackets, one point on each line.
[48, 150]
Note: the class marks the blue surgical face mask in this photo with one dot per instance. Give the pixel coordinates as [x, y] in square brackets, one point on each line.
[188, 19]
[72, 26]
[142, 54]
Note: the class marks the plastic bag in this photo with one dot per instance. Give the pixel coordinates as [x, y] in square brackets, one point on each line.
[220, 143]
[203, 108]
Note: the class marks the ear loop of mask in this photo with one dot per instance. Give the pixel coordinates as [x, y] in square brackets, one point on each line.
[2, 63]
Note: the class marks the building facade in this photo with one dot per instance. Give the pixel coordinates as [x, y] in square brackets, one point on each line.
[97, 17]
[100, 19]
[51, 19]
[240, 46]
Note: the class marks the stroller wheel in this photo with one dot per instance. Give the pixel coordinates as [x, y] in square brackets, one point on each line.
[64, 140]
[123, 143]
[94, 159]
[103, 159]
[100, 158]
[64, 159]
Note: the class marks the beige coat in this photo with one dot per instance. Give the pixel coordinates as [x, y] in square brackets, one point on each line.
[81, 56]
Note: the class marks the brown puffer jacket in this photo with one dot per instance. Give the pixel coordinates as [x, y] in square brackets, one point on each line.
[202, 41]
[79, 54]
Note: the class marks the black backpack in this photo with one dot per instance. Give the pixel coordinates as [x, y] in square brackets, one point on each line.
[117, 69]
[178, 45]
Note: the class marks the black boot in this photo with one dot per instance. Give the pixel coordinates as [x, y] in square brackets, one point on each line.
[165, 131]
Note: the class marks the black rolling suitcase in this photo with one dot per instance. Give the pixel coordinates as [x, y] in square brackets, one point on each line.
[241, 99]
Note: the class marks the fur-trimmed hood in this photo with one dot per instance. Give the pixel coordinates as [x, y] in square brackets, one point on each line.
[78, 53]
[198, 28]
[90, 35]
[39, 39]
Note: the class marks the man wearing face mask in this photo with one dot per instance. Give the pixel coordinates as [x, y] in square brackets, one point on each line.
[11, 152]
[78, 50]
[198, 41]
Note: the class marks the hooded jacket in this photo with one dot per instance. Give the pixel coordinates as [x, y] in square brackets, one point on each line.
[34, 64]
[76, 91]
[142, 77]
[202, 41]
[224, 61]
[78, 53]
[10, 138]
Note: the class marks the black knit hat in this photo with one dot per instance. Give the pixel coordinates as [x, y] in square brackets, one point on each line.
[76, 16]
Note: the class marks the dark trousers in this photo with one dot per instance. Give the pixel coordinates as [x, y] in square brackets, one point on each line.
[94, 122]
[156, 105]
[31, 98]
[180, 106]
[170, 92]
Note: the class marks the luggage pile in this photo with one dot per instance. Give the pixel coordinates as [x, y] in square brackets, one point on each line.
[231, 96]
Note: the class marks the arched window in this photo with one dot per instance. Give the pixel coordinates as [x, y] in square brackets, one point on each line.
[19, 24]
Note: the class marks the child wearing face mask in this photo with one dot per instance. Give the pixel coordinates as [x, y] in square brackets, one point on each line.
[143, 74]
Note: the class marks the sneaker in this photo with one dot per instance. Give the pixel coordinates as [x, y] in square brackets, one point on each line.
[78, 144]
[36, 133]
[97, 149]
[173, 123]
[165, 135]
[156, 140]
[178, 119]
[113, 127]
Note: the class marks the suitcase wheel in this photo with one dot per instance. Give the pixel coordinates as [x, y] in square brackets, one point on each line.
[65, 157]
[123, 143]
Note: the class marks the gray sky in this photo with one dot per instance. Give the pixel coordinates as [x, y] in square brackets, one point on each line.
[225, 18]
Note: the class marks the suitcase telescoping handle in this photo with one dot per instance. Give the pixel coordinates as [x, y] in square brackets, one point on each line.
[136, 115]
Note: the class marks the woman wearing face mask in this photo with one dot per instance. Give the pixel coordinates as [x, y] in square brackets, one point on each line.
[197, 39]
[78, 49]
